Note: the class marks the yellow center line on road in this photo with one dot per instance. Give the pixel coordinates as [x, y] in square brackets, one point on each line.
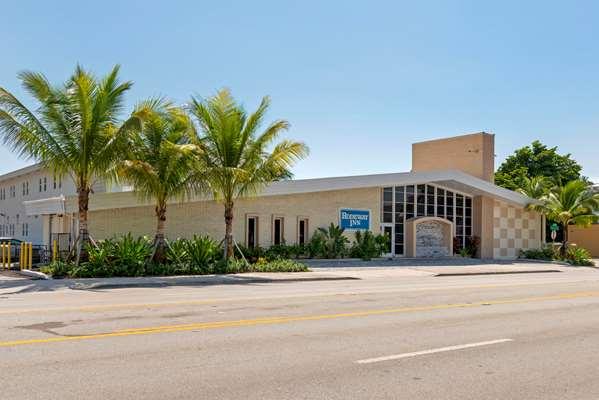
[118, 306]
[288, 319]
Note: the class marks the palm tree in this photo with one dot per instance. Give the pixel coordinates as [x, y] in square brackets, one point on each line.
[334, 240]
[74, 131]
[535, 188]
[572, 204]
[161, 162]
[236, 155]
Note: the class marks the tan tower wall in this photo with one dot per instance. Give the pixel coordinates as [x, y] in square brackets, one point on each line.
[473, 154]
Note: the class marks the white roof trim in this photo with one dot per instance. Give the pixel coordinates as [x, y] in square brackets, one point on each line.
[21, 171]
[402, 178]
[453, 180]
[48, 206]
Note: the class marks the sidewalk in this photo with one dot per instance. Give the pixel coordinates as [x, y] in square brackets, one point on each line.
[317, 274]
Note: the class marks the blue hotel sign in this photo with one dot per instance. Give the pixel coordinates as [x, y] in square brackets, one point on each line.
[350, 218]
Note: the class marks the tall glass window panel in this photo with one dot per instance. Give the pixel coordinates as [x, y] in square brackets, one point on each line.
[440, 203]
[449, 205]
[430, 200]
[387, 206]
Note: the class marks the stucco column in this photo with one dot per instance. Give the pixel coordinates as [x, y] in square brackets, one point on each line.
[482, 224]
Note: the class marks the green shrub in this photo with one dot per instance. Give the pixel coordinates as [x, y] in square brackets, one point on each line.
[200, 255]
[252, 254]
[545, 253]
[579, 256]
[316, 246]
[333, 241]
[130, 255]
[471, 247]
[284, 251]
[368, 246]
[202, 252]
[281, 265]
[57, 269]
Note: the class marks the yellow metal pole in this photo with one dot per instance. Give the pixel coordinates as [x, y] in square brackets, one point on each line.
[8, 254]
[30, 254]
[54, 250]
[3, 260]
[21, 256]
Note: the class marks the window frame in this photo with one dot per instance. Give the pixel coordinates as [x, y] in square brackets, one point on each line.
[256, 230]
[306, 222]
[281, 229]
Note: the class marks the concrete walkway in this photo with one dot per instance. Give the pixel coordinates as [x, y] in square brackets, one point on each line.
[11, 281]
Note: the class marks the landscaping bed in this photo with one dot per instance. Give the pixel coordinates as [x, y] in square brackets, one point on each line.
[131, 257]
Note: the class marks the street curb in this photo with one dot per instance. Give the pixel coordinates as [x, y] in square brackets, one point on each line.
[33, 274]
[201, 282]
[555, 262]
[533, 271]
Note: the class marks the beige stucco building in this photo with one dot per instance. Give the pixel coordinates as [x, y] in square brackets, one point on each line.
[448, 197]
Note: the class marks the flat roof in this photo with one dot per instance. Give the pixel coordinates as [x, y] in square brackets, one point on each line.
[21, 171]
[450, 179]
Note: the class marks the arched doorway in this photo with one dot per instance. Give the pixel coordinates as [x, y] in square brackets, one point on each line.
[429, 237]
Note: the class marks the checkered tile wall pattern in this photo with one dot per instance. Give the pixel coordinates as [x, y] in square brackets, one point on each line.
[514, 229]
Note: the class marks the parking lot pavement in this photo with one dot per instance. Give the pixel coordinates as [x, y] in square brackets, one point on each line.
[6, 275]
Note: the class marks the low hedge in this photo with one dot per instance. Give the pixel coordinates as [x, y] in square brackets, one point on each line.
[61, 269]
[577, 256]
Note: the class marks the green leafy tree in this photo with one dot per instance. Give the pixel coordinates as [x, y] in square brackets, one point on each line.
[75, 130]
[161, 161]
[534, 161]
[575, 203]
[235, 153]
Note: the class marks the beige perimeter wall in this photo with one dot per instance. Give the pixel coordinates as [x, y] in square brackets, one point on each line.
[207, 217]
[514, 229]
[587, 238]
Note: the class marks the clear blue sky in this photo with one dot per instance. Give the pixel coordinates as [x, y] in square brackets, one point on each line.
[359, 81]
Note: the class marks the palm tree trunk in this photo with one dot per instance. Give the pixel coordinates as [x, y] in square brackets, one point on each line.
[564, 248]
[159, 241]
[228, 231]
[83, 240]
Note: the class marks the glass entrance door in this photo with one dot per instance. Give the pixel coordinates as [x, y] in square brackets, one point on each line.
[387, 231]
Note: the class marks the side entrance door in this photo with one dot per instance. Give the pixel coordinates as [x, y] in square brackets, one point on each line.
[387, 231]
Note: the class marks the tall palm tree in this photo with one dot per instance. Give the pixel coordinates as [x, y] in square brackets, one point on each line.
[572, 204]
[536, 188]
[74, 131]
[236, 155]
[161, 162]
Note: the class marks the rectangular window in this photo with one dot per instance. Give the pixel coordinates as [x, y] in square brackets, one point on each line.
[45, 184]
[387, 204]
[430, 200]
[251, 238]
[40, 185]
[277, 231]
[302, 231]
[440, 203]
[449, 205]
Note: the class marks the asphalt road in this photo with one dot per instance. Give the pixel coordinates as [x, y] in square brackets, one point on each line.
[384, 336]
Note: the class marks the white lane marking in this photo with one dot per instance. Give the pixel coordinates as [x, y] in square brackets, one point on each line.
[432, 351]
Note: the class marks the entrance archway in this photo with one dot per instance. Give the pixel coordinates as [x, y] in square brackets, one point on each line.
[429, 237]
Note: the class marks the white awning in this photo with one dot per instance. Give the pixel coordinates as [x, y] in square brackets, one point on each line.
[48, 206]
